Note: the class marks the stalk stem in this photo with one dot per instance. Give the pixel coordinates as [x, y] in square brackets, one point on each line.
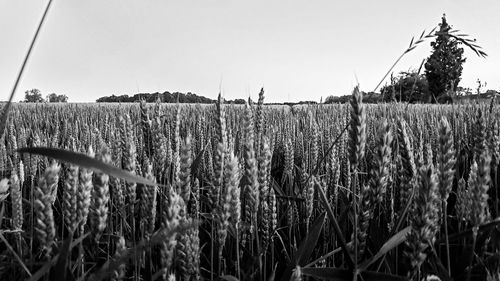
[5, 111]
[238, 252]
[447, 242]
[471, 258]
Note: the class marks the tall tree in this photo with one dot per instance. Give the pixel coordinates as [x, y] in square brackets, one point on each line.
[444, 67]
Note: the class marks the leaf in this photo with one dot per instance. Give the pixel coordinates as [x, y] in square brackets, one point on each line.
[468, 232]
[336, 227]
[411, 42]
[392, 243]
[158, 237]
[330, 273]
[431, 33]
[58, 273]
[422, 35]
[277, 188]
[45, 268]
[307, 246]
[87, 162]
[14, 252]
[47, 265]
[324, 257]
[229, 278]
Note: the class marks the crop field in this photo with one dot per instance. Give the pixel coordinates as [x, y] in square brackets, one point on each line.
[224, 192]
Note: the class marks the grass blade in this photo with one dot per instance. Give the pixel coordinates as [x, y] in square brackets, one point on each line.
[16, 256]
[87, 162]
[229, 278]
[59, 272]
[469, 231]
[336, 227]
[5, 110]
[392, 243]
[159, 237]
[46, 267]
[307, 246]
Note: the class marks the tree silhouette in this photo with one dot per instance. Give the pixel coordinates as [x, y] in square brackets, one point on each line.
[57, 98]
[444, 67]
[33, 95]
[406, 87]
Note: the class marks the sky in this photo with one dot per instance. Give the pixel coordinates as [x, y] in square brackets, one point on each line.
[296, 49]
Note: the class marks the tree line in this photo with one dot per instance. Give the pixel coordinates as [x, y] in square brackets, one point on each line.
[165, 97]
[35, 95]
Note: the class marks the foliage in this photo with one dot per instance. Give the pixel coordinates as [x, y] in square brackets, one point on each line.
[33, 95]
[444, 67]
[406, 87]
[237, 101]
[57, 98]
[165, 97]
[330, 99]
[370, 97]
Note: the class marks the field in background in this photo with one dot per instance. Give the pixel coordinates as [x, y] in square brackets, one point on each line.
[393, 190]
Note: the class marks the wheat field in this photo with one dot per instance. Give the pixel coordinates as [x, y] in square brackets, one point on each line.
[225, 192]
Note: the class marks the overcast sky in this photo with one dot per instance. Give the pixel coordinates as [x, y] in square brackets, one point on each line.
[296, 50]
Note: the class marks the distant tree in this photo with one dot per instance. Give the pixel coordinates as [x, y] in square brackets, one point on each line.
[444, 67]
[57, 98]
[33, 95]
[330, 99]
[51, 97]
[491, 92]
[165, 97]
[239, 101]
[372, 97]
[406, 87]
[63, 98]
[307, 102]
[338, 99]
